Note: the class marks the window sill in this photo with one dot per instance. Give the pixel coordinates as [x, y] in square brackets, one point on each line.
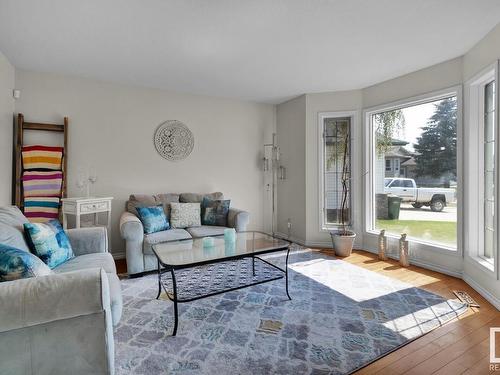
[411, 240]
[486, 264]
[332, 227]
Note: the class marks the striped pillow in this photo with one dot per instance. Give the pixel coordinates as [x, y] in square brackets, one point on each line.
[42, 184]
[41, 209]
[42, 157]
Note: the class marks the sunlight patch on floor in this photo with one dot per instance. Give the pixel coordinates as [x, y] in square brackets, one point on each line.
[352, 281]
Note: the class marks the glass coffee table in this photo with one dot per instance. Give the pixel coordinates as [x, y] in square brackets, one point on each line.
[188, 271]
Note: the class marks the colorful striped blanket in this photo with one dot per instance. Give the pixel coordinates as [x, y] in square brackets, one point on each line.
[42, 157]
[41, 209]
[42, 184]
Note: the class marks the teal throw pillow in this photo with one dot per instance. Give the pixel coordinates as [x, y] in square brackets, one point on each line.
[49, 242]
[214, 211]
[153, 219]
[19, 264]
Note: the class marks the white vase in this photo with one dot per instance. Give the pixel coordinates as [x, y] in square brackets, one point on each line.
[343, 242]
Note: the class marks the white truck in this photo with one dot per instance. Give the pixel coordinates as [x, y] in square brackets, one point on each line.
[406, 188]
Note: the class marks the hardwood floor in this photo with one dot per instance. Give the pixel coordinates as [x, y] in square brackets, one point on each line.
[459, 347]
[121, 266]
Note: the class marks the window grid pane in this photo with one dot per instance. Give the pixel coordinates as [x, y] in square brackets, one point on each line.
[335, 132]
[489, 171]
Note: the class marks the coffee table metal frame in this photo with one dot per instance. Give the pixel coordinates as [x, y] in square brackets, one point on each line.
[167, 268]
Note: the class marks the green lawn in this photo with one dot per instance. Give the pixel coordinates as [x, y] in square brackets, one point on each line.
[440, 231]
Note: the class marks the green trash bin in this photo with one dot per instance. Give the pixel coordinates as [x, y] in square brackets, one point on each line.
[394, 204]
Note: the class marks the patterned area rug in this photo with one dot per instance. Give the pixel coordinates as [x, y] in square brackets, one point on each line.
[341, 318]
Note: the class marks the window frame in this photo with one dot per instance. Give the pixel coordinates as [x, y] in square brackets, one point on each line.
[353, 123]
[481, 167]
[369, 167]
[475, 89]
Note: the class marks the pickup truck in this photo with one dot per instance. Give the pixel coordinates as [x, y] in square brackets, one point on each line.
[406, 188]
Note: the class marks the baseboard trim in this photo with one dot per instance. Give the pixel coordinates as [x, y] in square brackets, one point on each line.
[439, 269]
[483, 292]
[322, 244]
[291, 238]
[419, 263]
[118, 255]
[314, 244]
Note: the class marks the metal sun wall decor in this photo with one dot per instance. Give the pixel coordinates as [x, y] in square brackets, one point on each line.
[173, 140]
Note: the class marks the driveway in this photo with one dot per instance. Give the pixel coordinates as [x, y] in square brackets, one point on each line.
[407, 212]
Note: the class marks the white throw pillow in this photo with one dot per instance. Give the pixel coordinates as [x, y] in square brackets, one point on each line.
[184, 215]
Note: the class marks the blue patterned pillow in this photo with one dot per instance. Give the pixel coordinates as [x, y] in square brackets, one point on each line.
[19, 264]
[153, 219]
[49, 242]
[214, 211]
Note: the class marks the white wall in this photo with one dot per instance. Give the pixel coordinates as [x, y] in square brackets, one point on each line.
[111, 127]
[433, 78]
[482, 54]
[7, 74]
[291, 199]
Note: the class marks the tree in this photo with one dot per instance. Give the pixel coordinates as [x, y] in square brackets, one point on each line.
[436, 148]
[387, 126]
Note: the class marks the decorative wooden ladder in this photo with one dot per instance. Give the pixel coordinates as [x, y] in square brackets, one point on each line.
[21, 126]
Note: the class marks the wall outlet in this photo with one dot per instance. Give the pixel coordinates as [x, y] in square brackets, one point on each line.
[289, 224]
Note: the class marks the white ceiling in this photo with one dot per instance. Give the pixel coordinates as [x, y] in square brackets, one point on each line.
[262, 50]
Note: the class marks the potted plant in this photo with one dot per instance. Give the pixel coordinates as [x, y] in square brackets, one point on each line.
[343, 238]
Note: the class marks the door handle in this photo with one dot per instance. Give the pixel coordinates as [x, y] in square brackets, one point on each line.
[404, 190]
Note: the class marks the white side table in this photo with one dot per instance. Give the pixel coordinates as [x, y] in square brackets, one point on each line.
[86, 206]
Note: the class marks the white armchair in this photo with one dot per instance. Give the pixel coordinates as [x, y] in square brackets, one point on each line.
[57, 324]
[61, 323]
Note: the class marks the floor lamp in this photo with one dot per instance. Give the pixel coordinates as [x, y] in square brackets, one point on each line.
[271, 163]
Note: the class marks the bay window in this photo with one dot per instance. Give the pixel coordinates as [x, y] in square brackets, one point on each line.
[418, 194]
